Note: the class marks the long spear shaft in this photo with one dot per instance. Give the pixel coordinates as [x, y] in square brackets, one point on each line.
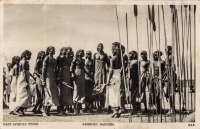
[194, 56]
[178, 61]
[167, 62]
[183, 62]
[187, 58]
[128, 87]
[149, 57]
[160, 83]
[190, 58]
[136, 13]
[151, 64]
[172, 69]
[122, 60]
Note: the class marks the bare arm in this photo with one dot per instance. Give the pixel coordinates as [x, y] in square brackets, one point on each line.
[44, 68]
[110, 71]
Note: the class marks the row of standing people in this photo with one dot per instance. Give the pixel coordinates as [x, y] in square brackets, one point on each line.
[68, 81]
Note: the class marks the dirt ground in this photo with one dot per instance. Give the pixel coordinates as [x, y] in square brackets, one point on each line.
[87, 117]
[91, 117]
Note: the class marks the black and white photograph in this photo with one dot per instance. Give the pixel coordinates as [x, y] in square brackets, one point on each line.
[109, 63]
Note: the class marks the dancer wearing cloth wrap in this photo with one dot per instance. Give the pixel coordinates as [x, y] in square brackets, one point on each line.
[134, 81]
[113, 97]
[89, 81]
[23, 84]
[14, 73]
[48, 73]
[101, 62]
[64, 63]
[39, 87]
[78, 74]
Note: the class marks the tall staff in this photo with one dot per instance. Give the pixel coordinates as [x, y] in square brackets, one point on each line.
[150, 68]
[136, 13]
[178, 60]
[122, 60]
[190, 57]
[167, 61]
[128, 86]
[183, 63]
[148, 49]
[160, 83]
[194, 56]
[173, 118]
[154, 31]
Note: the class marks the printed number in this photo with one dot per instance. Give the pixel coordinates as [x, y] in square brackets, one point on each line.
[191, 125]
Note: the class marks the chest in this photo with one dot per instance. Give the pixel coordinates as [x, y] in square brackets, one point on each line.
[99, 56]
[88, 64]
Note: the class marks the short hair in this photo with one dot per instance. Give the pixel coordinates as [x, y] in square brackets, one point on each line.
[88, 53]
[134, 53]
[143, 53]
[157, 53]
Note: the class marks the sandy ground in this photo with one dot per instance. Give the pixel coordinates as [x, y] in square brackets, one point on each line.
[91, 117]
[30, 117]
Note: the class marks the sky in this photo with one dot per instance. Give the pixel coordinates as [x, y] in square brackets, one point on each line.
[35, 27]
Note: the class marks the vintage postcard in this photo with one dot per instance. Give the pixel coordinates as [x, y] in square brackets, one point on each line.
[99, 64]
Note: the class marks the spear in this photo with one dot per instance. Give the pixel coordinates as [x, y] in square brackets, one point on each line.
[173, 118]
[194, 56]
[148, 48]
[136, 13]
[122, 60]
[150, 58]
[128, 87]
[167, 62]
[183, 63]
[160, 83]
[178, 61]
[154, 30]
[185, 66]
[151, 49]
[190, 56]
[187, 57]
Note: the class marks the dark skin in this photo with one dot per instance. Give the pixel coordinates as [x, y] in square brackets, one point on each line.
[51, 53]
[24, 66]
[39, 63]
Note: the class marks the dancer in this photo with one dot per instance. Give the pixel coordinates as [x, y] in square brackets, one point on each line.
[14, 73]
[134, 81]
[78, 74]
[48, 72]
[101, 63]
[144, 71]
[23, 83]
[39, 87]
[89, 81]
[113, 97]
[65, 83]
